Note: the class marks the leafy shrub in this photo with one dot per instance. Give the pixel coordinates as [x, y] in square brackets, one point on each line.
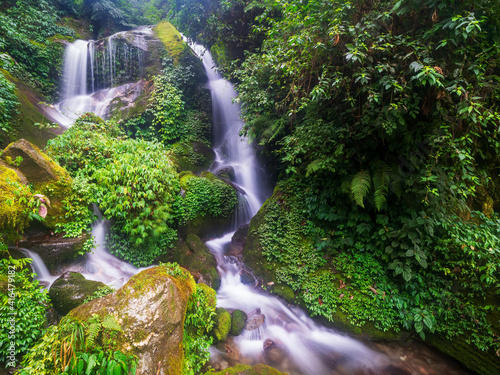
[207, 196]
[132, 181]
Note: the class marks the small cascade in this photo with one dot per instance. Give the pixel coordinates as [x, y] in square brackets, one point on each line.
[100, 264]
[39, 268]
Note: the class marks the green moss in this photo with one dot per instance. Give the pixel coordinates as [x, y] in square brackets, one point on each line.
[222, 325]
[80, 26]
[171, 38]
[241, 369]
[238, 321]
[13, 215]
[192, 156]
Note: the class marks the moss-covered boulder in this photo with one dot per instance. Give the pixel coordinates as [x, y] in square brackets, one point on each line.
[222, 325]
[45, 174]
[70, 291]
[56, 251]
[150, 308]
[238, 321]
[209, 203]
[247, 370]
[192, 156]
[195, 256]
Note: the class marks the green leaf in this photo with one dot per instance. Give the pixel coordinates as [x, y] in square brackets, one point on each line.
[360, 186]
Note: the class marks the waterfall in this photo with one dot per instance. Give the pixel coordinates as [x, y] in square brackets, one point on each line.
[95, 72]
[75, 69]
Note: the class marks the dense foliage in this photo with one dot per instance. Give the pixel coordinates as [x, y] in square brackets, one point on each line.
[393, 105]
[79, 347]
[22, 307]
[132, 181]
[29, 31]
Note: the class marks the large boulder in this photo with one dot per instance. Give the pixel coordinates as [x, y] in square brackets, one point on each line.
[47, 177]
[150, 308]
[238, 321]
[70, 291]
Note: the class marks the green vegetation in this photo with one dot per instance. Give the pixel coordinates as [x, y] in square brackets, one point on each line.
[382, 119]
[198, 323]
[22, 307]
[75, 347]
[26, 27]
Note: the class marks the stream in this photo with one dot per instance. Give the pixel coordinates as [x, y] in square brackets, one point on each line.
[282, 336]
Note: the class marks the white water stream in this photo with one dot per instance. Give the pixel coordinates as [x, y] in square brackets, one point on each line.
[294, 343]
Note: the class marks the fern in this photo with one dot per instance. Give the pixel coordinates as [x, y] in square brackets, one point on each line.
[93, 331]
[111, 323]
[360, 186]
[381, 178]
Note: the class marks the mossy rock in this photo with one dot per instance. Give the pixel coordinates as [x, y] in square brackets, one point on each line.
[150, 309]
[80, 26]
[195, 256]
[241, 369]
[45, 174]
[222, 200]
[171, 39]
[484, 363]
[70, 291]
[192, 156]
[222, 325]
[238, 321]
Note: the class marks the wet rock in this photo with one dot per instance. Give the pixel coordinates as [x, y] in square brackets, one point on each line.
[255, 322]
[238, 321]
[195, 256]
[150, 308]
[56, 251]
[238, 241]
[247, 278]
[393, 370]
[227, 172]
[70, 290]
[229, 351]
[222, 325]
[274, 352]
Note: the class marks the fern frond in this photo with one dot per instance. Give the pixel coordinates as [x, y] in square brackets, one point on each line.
[381, 178]
[93, 331]
[360, 185]
[395, 184]
[110, 322]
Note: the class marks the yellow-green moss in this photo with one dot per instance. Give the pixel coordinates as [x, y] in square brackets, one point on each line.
[14, 196]
[171, 38]
[241, 369]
